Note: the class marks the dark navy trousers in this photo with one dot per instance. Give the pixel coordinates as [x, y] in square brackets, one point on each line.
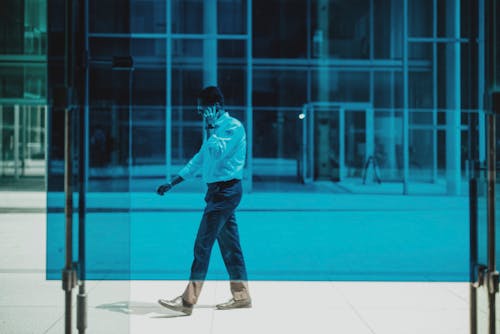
[219, 223]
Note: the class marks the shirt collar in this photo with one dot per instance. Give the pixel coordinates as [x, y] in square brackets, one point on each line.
[222, 118]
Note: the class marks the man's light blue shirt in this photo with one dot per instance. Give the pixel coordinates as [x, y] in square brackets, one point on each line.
[222, 155]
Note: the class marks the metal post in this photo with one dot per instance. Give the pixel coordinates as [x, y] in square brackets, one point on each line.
[210, 43]
[369, 140]
[81, 305]
[69, 277]
[249, 89]
[492, 285]
[434, 94]
[16, 141]
[341, 143]
[168, 102]
[1, 141]
[491, 218]
[310, 139]
[406, 156]
[453, 112]
[45, 129]
[473, 251]
[304, 162]
[69, 274]
[481, 80]
[22, 148]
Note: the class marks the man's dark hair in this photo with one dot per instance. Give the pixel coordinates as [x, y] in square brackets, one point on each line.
[211, 95]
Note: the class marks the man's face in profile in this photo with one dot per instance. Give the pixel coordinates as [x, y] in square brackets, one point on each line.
[204, 109]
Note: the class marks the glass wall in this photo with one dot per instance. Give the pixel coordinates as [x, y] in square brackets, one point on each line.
[23, 82]
[336, 96]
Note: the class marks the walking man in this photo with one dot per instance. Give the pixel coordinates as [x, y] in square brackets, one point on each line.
[221, 160]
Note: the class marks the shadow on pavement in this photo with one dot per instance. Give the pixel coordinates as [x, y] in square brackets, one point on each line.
[144, 308]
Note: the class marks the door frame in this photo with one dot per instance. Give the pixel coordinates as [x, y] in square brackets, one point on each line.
[307, 145]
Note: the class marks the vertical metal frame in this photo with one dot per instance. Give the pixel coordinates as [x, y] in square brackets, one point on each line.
[310, 148]
[342, 173]
[457, 97]
[249, 101]
[434, 93]
[481, 81]
[46, 144]
[304, 161]
[86, 99]
[1, 141]
[370, 133]
[406, 158]
[168, 102]
[372, 52]
[16, 141]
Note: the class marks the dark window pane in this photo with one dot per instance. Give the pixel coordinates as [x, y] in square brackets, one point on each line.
[420, 13]
[279, 88]
[420, 89]
[232, 81]
[277, 134]
[149, 86]
[387, 25]
[28, 81]
[341, 28]
[231, 50]
[186, 84]
[147, 49]
[107, 86]
[387, 88]
[187, 16]
[148, 136]
[330, 85]
[117, 16]
[231, 16]
[279, 29]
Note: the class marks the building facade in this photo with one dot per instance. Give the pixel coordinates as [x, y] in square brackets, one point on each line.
[325, 88]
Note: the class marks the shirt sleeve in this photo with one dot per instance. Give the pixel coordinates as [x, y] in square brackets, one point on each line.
[192, 167]
[219, 145]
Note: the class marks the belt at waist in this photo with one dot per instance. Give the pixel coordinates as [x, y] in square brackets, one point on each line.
[224, 183]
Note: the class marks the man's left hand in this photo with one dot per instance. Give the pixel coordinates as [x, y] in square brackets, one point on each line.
[163, 188]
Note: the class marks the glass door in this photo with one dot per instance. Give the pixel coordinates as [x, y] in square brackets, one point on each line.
[337, 142]
[484, 225]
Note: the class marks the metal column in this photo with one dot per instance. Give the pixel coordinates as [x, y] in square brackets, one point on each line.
[168, 102]
[492, 280]
[249, 89]
[406, 156]
[16, 141]
[481, 81]
[342, 173]
[69, 274]
[494, 110]
[453, 103]
[434, 93]
[210, 43]
[1, 141]
[83, 149]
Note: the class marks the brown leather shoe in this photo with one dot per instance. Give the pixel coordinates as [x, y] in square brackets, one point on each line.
[233, 304]
[178, 304]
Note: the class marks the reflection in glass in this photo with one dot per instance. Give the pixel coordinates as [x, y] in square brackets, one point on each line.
[136, 16]
[280, 88]
[340, 86]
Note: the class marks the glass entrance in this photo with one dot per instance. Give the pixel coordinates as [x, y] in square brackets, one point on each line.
[484, 222]
[337, 141]
[22, 141]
